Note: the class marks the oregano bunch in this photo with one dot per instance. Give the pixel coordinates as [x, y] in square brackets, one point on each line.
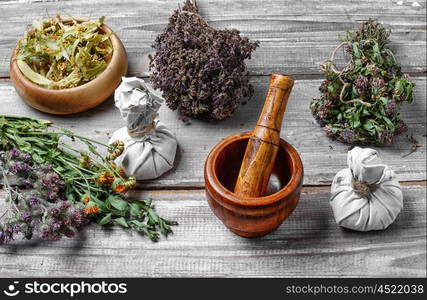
[359, 103]
[201, 70]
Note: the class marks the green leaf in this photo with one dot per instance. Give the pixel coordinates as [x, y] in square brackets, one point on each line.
[105, 220]
[121, 221]
[368, 126]
[356, 50]
[31, 75]
[384, 100]
[389, 123]
[135, 209]
[139, 224]
[152, 215]
[117, 202]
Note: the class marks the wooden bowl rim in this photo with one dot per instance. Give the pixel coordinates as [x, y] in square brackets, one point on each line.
[117, 47]
[231, 197]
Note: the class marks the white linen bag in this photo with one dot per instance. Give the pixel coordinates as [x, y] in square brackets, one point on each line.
[150, 147]
[366, 195]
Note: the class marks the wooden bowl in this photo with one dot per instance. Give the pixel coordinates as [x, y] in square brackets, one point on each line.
[250, 216]
[76, 99]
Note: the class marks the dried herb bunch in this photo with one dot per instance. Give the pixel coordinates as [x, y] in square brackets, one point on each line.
[201, 70]
[58, 54]
[89, 178]
[359, 104]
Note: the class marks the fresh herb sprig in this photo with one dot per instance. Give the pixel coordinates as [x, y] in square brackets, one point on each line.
[359, 103]
[90, 178]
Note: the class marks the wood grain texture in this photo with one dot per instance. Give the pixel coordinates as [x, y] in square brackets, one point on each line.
[301, 34]
[322, 157]
[261, 151]
[308, 243]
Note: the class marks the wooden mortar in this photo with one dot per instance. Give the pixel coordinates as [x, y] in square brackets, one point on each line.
[76, 99]
[253, 216]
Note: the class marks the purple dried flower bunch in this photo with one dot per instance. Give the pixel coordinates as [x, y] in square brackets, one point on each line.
[36, 206]
[201, 70]
[359, 104]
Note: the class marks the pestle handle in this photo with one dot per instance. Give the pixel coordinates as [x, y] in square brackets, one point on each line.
[261, 151]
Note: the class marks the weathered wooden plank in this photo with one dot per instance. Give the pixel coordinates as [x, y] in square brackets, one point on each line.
[322, 157]
[295, 36]
[308, 243]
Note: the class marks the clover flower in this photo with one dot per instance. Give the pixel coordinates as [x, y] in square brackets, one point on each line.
[362, 84]
[391, 108]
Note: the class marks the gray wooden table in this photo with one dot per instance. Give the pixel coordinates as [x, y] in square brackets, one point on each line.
[295, 36]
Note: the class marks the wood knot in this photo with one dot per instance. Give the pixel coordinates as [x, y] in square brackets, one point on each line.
[363, 189]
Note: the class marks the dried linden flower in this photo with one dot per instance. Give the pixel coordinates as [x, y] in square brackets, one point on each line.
[59, 54]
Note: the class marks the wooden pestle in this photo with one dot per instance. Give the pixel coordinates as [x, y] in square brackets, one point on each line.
[261, 151]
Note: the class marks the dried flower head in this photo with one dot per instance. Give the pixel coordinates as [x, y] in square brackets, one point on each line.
[91, 210]
[362, 84]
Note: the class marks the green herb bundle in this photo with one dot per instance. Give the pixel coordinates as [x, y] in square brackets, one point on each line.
[58, 54]
[91, 179]
[359, 104]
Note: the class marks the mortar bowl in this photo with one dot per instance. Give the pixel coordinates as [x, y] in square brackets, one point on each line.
[252, 216]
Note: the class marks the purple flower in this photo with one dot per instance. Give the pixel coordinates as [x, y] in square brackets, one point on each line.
[362, 84]
[77, 218]
[391, 108]
[16, 228]
[45, 232]
[324, 86]
[26, 157]
[377, 82]
[27, 183]
[55, 211]
[401, 127]
[20, 168]
[27, 216]
[56, 225]
[52, 196]
[347, 136]
[14, 153]
[386, 137]
[33, 200]
[66, 221]
[328, 130]
[65, 204]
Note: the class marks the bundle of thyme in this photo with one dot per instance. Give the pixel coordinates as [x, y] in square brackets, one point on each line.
[58, 54]
[90, 179]
[201, 70]
[359, 104]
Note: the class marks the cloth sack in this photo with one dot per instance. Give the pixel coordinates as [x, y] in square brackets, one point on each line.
[366, 195]
[150, 147]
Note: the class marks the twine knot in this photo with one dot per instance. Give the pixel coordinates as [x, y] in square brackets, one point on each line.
[363, 189]
[141, 131]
